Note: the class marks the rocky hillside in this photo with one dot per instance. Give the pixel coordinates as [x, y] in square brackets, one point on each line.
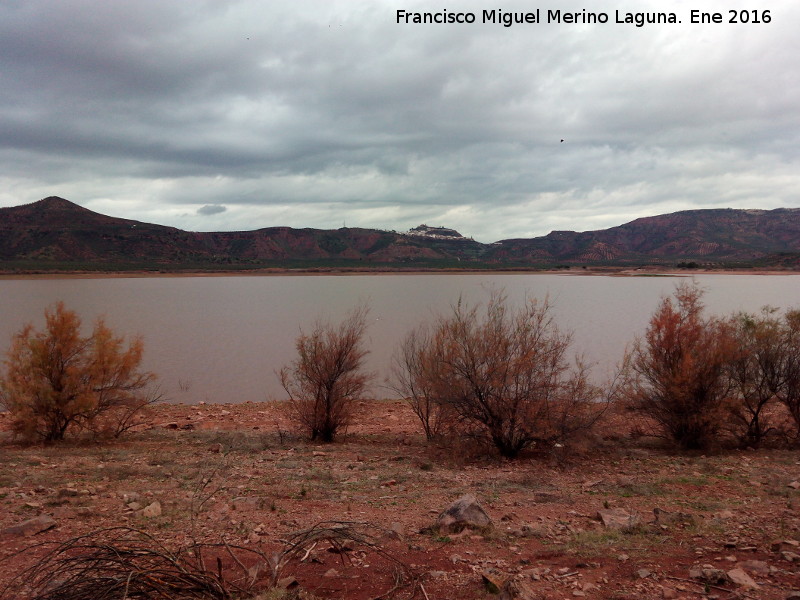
[55, 232]
[721, 235]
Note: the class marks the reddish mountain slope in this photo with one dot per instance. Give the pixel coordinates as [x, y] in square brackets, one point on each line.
[55, 230]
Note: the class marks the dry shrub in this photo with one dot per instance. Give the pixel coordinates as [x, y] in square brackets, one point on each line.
[414, 370]
[57, 379]
[326, 378]
[788, 393]
[765, 376]
[757, 371]
[496, 375]
[677, 375]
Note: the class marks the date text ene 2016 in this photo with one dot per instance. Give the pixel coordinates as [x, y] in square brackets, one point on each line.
[733, 16]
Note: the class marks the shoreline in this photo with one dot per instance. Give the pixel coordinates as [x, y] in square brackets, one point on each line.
[597, 272]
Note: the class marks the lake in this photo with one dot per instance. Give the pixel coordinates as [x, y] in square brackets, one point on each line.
[221, 339]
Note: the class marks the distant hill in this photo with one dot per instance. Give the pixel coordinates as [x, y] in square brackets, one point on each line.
[714, 235]
[57, 231]
[55, 234]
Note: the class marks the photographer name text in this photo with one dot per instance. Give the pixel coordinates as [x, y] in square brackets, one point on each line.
[584, 17]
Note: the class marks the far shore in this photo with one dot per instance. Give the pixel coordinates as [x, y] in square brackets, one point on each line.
[576, 271]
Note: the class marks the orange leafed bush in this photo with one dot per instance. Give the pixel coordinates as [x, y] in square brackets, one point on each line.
[678, 374]
[56, 380]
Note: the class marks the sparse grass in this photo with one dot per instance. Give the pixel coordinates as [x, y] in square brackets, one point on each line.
[122, 471]
[321, 475]
[289, 463]
[599, 542]
[704, 505]
[696, 480]
[639, 489]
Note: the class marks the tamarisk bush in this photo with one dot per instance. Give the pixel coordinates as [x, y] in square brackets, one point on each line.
[326, 378]
[498, 374]
[56, 380]
[677, 375]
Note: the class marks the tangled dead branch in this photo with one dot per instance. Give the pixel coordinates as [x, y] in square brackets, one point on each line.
[342, 536]
[122, 563]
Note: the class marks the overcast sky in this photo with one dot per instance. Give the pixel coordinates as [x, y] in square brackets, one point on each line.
[225, 115]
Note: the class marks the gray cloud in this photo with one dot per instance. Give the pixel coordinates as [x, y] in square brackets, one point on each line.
[314, 113]
[211, 209]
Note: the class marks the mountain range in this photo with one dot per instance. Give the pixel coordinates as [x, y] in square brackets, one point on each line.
[55, 233]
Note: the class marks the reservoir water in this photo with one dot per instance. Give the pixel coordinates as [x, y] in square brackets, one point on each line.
[221, 339]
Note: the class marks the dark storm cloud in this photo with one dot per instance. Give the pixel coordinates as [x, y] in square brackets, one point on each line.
[312, 113]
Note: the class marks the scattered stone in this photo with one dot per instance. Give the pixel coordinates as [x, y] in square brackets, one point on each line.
[643, 573]
[288, 583]
[709, 574]
[668, 593]
[625, 481]
[331, 573]
[215, 448]
[545, 497]
[464, 512]
[517, 590]
[742, 579]
[790, 556]
[617, 518]
[493, 581]
[724, 515]
[249, 503]
[793, 595]
[531, 531]
[319, 453]
[31, 526]
[134, 506]
[780, 545]
[151, 510]
[755, 566]
[67, 493]
[795, 485]
[129, 497]
[672, 518]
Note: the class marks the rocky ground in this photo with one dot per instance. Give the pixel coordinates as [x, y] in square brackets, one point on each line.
[356, 519]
